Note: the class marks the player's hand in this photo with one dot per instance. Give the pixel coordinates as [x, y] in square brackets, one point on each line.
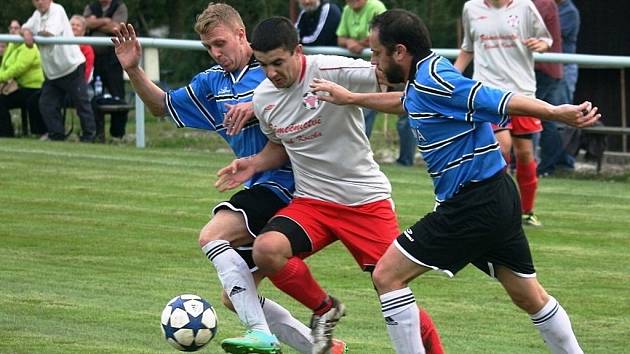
[235, 174]
[329, 91]
[536, 45]
[237, 116]
[580, 116]
[127, 46]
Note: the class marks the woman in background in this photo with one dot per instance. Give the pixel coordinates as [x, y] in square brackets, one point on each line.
[23, 65]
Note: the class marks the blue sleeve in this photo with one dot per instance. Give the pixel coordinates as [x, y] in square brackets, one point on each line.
[193, 105]
[442, 90]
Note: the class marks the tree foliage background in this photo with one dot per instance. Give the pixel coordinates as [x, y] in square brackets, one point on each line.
[177, 18]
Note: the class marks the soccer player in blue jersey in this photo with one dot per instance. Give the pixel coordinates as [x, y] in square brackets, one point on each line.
[220, 100]
[477, 218]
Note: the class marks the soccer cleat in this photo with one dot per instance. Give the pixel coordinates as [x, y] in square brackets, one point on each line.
[531, 219]
[338, 347]
[322, 327]
[252, 342]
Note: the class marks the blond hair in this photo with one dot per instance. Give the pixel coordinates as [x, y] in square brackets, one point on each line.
[218, 14]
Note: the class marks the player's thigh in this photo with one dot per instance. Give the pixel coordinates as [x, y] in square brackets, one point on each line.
[301, 225]
[505, 141]
[395, 270]
[366, 231]
[226, 225]
[241, 218]
[525, 291]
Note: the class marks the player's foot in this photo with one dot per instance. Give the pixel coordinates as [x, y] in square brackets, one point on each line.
[338, 347]
[322, 327]
[252, 342]
[531, 219]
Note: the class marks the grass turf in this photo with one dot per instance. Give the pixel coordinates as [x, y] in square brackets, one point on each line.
[95, 239]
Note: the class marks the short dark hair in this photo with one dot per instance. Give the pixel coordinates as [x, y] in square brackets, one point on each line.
[273, 33]
[399, 26]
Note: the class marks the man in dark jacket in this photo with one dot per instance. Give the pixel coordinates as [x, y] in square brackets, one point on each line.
[317, 23]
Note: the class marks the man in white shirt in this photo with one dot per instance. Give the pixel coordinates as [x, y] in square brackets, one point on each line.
[340, 191]
[63, 67]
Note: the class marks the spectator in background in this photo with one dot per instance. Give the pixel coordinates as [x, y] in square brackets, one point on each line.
[569, 29]
[317, 22]
[352, 34]
[103, 17]
[548, 80]
[3, 47]
[64, 68]
[22, 64]
[77, 22]
[502, 45]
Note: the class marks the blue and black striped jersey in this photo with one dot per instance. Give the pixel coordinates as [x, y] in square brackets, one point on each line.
[450, 116]
[201, 105]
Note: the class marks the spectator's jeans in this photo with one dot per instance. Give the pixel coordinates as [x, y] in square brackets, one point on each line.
[52, 97]
[407, 142]
[369, 116]
[549, 90]
[25, 98]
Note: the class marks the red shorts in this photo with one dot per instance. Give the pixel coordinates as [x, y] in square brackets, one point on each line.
[365, 230]
[521, 125]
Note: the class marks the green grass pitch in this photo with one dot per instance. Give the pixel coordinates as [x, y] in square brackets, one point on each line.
[95, 239]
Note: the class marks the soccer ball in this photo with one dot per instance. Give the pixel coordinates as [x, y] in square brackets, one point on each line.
[188, 322]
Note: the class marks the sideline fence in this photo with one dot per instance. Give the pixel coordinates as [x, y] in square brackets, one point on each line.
[583, 60]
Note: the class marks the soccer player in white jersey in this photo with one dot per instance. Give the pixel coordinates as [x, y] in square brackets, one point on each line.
[502, 35]
[219, 100]
[341, 193]
[477, 218]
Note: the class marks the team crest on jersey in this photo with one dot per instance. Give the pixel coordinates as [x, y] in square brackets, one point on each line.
[513, 21]
[310, 100]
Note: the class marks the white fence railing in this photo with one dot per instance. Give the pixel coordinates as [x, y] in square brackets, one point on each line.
[583, 60]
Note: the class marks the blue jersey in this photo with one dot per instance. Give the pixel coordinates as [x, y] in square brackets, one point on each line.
[450, 116]
[201, 105]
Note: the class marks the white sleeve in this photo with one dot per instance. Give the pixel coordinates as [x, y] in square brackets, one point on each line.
[467, 43]
[538, 28]
[57, 21]
[32, 23]
[356, 75]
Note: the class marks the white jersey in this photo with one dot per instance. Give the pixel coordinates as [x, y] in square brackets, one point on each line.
[58, 60]
[496, 37]
[329, 151]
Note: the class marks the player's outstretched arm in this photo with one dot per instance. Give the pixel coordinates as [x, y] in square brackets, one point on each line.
[129, 52]
[582, 115]
[243, 169]
[387, 102]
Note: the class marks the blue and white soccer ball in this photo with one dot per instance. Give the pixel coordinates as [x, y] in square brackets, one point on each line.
[188, 322]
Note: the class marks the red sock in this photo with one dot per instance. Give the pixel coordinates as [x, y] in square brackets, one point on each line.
[296, 280]
[527, 184]
[430, 335]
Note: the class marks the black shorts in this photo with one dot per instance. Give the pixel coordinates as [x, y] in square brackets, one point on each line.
[257, 204]
[481, 225]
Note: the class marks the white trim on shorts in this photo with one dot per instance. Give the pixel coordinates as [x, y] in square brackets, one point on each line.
[413, 259]
[235, 209]
[238, 210]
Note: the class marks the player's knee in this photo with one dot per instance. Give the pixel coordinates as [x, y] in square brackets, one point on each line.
[206, 236]
[530, 303]
[268, 253]
[225, 299]
[384, 281]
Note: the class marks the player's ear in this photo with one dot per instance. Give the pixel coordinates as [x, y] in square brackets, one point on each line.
[399, 51]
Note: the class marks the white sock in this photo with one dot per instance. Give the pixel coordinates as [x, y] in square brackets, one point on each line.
[238, 283]
[555, 328]
[287, 328]
[403, 321]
